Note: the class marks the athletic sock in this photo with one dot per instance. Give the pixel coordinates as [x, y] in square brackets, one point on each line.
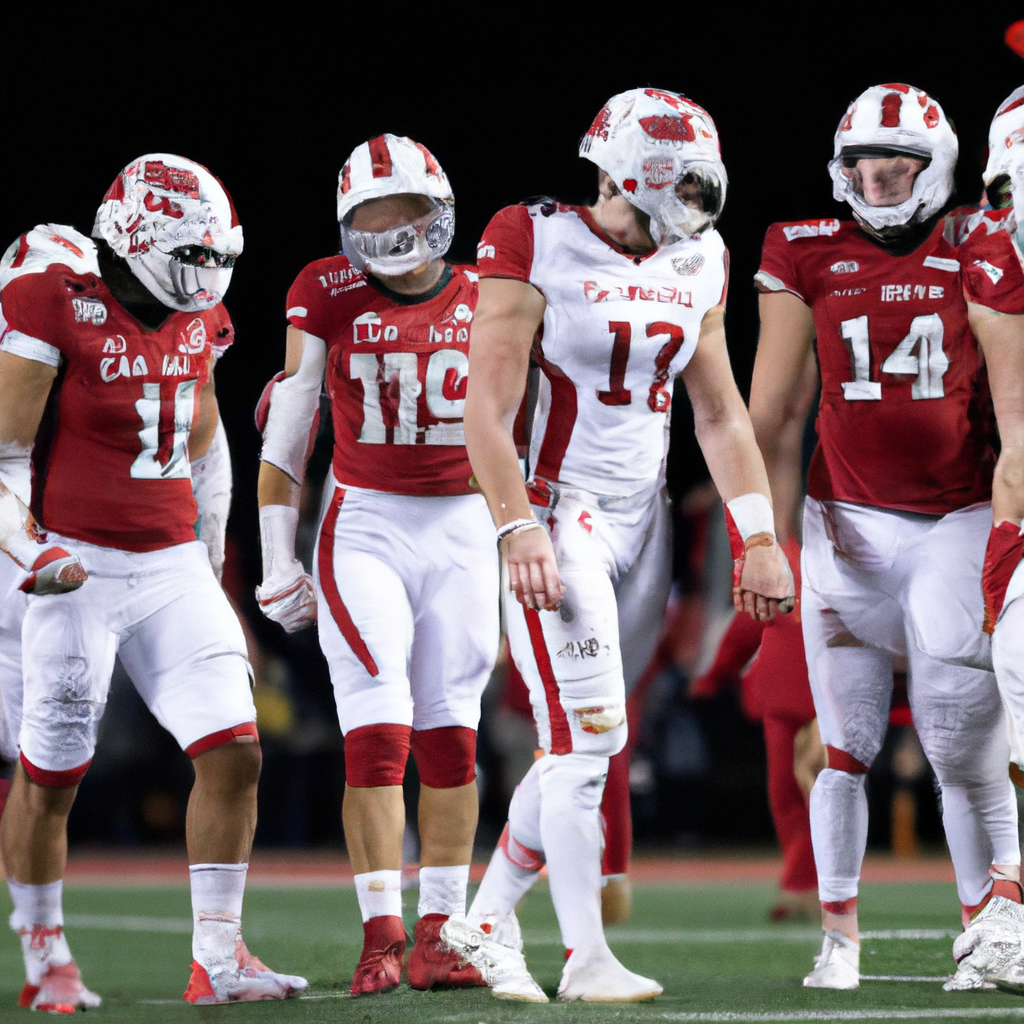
[570, 822]
[217, 891]
[38, 919]
[379, 894]
[443, 890]
[839, 829]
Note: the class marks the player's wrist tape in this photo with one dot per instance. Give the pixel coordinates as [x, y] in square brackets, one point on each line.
[752, 514]
[278, 524]
[516, 526]
[16, 470]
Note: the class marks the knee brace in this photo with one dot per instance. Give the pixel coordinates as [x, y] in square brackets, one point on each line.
[244, 733]
[841, 761]
[376, 755]
[445, 757]
[520, 855]
[55, 780]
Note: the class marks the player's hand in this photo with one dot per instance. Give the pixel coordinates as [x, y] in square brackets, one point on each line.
[762, 581]
[289, 598]
[532, 572]
[48, 568]
[1002, 556]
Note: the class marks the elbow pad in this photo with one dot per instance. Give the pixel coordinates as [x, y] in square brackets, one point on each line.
[288, 411]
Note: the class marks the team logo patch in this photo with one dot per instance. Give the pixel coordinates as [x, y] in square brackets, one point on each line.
[659, 172]
[687, 266]
[845, 267]
[366, 328]
[574, 650]
[993, 273]
[823, 227]
[193, 338]
[89, 311]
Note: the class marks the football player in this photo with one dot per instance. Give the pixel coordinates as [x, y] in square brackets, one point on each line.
[897, 509]
[992, 949]
[406, 573]
[613, 302]
[105, 364]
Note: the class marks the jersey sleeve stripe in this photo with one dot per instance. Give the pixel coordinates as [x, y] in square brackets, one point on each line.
[296, 311]
[766, 282]
[27, 347]
[330, 587]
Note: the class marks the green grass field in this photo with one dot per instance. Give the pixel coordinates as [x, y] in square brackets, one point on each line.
[709, 946]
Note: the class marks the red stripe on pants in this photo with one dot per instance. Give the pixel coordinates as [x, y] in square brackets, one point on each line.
[561, 737]
[330, 587]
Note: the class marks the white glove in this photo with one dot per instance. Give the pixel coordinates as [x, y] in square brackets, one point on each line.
[286, 594]
[49, 568]
[992, 944]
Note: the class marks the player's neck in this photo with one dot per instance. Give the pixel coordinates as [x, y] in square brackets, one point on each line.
[417, 282]
[623, 224]
[128, 290]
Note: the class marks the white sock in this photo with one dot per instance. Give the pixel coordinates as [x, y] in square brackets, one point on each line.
[379, 894]
[443, 890]
[38, 919]
[217, 891]
[507, 880]
[571, 786]
[839, 832]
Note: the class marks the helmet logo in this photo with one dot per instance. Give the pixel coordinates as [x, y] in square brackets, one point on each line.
[659, 171]
[601, 123]
[629, 184]
[433, 168]
[669, 129]
[161, 204]
[346, 178]
[380, 157]
[891, 103]
[171, 179]
[931, 117]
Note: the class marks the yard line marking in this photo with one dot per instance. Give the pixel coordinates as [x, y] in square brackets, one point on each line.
[888, 1014]
[913, 933]
[121, 923]
[904, 977]
[724, 935]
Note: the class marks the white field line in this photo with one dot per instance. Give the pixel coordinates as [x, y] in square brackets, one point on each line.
[904, 977]
[977, 1013]
[122, 923]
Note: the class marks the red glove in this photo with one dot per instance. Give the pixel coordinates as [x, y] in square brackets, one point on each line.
[1002, 556]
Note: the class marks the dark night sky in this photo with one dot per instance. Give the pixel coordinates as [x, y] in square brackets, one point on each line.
[273, 106]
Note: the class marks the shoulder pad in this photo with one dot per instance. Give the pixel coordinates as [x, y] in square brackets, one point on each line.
[810, 229]
[48, 245]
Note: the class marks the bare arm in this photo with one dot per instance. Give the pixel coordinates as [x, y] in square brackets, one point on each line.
[726, 438]
[781, 394]
[1001, 337]
[504, 326]
[205, 423]
[24, 388]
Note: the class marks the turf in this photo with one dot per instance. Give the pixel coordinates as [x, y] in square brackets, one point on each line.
[709, 946]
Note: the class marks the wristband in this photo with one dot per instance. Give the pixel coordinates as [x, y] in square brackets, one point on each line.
[278, 524]
[515, 527]
[752, 514]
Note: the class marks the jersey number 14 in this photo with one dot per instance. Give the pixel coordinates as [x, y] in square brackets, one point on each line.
[920, 353]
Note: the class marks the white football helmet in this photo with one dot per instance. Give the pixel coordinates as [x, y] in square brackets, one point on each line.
[392, 165]
[649, 141]
[176, 226]
[1004, 172]
[887, 120]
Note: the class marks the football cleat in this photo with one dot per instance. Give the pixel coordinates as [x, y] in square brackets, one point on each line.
[380, 965]
[60, 990]
[503, 968]
[597, 976]
[233, 984]
[991, 949]
[837, 965]
[432, 963]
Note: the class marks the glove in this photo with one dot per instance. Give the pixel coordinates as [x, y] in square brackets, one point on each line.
[50, 568]
[1002, 556]
[287, 594]
[992, 944]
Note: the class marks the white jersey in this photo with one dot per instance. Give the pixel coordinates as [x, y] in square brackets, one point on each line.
[617, 330]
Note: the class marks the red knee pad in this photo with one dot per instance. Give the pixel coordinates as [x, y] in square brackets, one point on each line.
[445, 757]
[841, 761]
[521, 856]
[375, 755]
[55, 780]
[244, 733]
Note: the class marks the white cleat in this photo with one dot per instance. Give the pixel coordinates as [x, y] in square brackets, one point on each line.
[990, 953]
[595, 976]
[837, 965]
[60, 990]
[503, 967]
[234, 984]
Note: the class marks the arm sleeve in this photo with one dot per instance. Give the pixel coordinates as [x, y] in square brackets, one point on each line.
[506, 249]
[778, 272]
[992, 272]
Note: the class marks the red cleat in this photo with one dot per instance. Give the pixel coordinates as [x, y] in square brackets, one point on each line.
[380, 966]
[431, 963]
[60, 990]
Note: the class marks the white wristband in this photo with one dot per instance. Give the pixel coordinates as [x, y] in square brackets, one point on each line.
[515, 526]
[752, 513]
[278, 524]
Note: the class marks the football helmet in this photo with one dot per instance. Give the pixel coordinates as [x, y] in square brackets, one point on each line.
[892, 120]
[175, 225]
[655, 144]
[392, 165]
[1004, 171]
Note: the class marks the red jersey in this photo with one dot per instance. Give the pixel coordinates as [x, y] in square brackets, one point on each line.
[905, 416]
[110, 464]
[397, 369]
